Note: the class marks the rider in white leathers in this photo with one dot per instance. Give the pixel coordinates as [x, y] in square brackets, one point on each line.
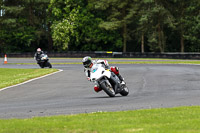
[88, 64]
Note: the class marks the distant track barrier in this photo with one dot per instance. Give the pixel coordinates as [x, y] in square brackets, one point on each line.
[108, 54]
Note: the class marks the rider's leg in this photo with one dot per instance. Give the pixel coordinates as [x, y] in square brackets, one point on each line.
[119, 75]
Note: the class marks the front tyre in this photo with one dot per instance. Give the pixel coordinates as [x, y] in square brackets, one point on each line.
[108, 89]
[41, 65]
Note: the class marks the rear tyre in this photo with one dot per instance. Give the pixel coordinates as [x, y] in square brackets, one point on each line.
[49, 64]
[108, 89]
[125, 90]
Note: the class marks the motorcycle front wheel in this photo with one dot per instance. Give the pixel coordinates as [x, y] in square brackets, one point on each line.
[41, 65]
[108, 89]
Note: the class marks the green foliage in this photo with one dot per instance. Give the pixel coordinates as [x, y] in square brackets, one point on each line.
[186, 21]
[119, 14]
[89, 25]
[18, 39]
[22, 25]
[76, 28]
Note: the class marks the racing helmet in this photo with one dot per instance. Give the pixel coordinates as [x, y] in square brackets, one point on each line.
[87, 61]
[39, 50]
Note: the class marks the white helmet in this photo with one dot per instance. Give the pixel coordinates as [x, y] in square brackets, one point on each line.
[39, 50]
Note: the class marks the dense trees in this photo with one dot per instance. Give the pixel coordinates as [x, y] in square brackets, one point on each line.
[92, 25]
[76, 27]
[24, 25]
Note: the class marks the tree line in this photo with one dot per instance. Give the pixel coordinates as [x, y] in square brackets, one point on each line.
[100, 25]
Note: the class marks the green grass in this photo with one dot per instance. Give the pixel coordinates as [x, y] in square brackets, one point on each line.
[157, 62]
[170, 120]
[59, 63]
[10, 77]
[125, 61]
[130, 62]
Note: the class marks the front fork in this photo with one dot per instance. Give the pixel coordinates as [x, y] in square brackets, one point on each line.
[113, 82]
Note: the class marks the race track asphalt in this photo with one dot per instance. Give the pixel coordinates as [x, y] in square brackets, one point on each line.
[68, 92]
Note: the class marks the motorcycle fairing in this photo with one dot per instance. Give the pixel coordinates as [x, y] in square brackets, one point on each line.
[97, 72]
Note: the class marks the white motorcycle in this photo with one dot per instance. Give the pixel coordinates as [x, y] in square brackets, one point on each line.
[108, 81]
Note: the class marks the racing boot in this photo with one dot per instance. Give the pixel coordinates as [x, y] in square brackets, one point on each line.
[96, 88]
[121, 79]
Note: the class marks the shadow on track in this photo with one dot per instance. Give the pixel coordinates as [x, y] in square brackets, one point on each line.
[104, 97]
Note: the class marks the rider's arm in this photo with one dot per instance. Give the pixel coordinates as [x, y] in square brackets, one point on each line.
[87, 73]
[35, 56]
[38, 57]
[104, 62]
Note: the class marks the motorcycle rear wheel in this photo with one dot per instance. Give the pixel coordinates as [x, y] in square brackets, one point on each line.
[125, 91]
[49, 65]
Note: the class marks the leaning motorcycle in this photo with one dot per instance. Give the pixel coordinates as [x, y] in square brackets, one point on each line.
[108, 81]
[44, 61]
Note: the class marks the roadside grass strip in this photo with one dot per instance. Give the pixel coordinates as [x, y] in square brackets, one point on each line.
[54, 58]
[157, 62]
[166, 120]
[9, 77]
[195, 62]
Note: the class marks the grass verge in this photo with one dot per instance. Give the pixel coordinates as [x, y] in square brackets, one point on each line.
[157, 62]
[179, 119]
[10, 77]
[129, 62]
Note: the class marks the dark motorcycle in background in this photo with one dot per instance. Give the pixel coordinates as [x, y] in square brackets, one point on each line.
[44, 61]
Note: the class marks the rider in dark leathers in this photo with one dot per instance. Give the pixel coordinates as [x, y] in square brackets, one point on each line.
[37, 55]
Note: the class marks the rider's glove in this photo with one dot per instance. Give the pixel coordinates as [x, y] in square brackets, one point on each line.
[88, 78]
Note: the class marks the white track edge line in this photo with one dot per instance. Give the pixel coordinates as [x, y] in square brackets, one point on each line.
[60, 70]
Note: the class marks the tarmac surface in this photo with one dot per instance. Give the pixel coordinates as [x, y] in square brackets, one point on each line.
[68, 92]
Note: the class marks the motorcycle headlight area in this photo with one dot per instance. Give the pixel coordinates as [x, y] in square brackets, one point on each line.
[94, 70]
